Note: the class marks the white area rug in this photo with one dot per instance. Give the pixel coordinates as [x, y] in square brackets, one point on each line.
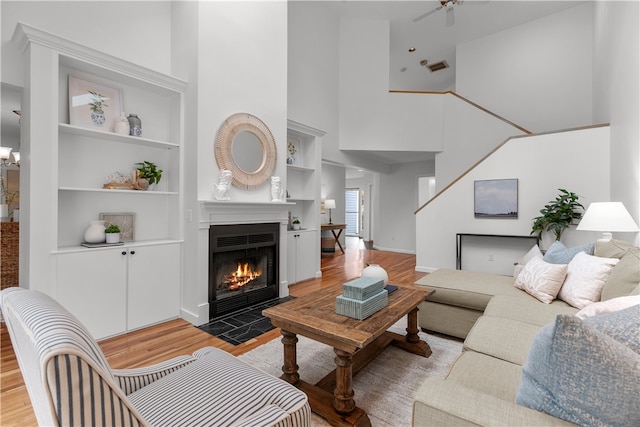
[384, 388]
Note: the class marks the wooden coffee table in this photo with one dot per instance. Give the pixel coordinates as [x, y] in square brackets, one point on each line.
[355, 342]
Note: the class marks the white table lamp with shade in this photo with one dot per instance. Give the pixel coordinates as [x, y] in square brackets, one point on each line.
[330, 204]
[608, 217]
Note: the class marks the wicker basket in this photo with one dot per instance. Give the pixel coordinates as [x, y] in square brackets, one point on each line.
[9, 254]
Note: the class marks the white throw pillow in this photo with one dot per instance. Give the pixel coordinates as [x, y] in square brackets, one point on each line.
[608, 306]
[534, 252]
[586, 276]
[541, 279]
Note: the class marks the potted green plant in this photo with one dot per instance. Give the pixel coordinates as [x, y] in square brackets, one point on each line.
[558, 214]
[97, 106]
[112, 234]
[296, 224]
[149, 172]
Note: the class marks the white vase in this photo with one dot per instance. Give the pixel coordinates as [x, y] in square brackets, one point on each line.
[4, 212]
[112, 237]
[95, 232]
[375, 271]
[122, 125]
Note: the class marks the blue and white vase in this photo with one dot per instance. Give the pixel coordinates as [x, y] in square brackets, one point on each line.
[135, 125]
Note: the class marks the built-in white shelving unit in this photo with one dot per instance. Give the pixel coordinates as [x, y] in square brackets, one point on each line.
[112, 289]
[303, 189]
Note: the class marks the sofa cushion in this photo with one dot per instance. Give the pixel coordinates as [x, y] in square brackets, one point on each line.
[248, 397]
[586, 372]
[527, 310]
[441, 402]
[625, 277]
[505, 339]
[612, 248]
[560, 254]
[534, 252]
[608, 306]
[541, 279]
[487, 374]
[586, 275]
[468, 289]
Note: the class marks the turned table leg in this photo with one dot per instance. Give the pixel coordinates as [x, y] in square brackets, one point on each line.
[412, 326]
[343, 395]
[290, 367]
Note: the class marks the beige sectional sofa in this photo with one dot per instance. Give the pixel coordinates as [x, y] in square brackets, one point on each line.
[498, 323]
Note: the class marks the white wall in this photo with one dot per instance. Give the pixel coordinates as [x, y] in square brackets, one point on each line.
[616, 97]
[469, 134]
[396, 194]
[371, 118]
[579, 162]
[139, 32]
[313, 77]
[185, 50]
[538, 75]
[242, 68]
[333, 185]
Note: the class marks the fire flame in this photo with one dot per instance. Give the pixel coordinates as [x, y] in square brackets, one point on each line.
[243, 275]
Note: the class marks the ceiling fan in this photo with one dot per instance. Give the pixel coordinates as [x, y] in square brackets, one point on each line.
[448, 7]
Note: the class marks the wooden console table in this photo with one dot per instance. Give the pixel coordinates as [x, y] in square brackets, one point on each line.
[333, 228]
[459, 237]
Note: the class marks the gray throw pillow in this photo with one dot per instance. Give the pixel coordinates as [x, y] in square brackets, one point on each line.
[586, 372]
[560, 254]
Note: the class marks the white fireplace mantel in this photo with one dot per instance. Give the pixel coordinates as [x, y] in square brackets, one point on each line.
[230, 212]
[215, 212]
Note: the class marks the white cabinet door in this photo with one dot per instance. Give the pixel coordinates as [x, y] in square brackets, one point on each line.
[92, 286]
[154, 284]
[308, 255]
[292, 240]
[303, 258]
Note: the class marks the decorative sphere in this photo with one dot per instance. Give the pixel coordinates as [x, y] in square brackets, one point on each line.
[375, 271]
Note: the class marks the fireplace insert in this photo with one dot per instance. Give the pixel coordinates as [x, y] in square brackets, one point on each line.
[243, 266]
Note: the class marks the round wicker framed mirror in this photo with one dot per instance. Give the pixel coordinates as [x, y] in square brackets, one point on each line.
[245, 146]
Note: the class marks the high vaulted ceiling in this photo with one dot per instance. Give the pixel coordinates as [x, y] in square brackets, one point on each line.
[434, 41]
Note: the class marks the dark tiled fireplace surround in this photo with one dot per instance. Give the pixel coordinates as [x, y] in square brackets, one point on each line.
[243, 266]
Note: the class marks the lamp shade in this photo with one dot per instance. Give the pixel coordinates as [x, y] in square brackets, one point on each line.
[5, 152]
[330, 204]
[608, 217]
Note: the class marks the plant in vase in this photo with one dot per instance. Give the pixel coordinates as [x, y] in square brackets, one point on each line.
[112, 234]
[97, 105]
[147, 172]
[558, 215]
[296, 224]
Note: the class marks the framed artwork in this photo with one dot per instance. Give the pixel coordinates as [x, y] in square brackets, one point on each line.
[93, 105]
[496, 198]
[294, 154]
[126, 221]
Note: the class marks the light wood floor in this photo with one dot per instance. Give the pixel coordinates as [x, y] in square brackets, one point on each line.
[157, 343]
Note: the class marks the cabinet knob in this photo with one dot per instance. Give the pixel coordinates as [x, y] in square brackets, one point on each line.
[132, 252]
[124, 252]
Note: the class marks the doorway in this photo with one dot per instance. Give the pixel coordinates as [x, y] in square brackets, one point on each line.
[352, 211]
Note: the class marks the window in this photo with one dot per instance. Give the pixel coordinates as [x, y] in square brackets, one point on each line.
[352, 211]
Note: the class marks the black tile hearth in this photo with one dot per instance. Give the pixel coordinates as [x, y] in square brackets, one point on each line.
[242, 325]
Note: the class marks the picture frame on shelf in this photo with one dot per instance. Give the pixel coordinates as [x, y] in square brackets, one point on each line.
[126, 221]
[93, 105]
[294, 152]
[495, 198]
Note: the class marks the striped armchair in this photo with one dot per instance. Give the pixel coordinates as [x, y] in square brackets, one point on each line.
[70, 382]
